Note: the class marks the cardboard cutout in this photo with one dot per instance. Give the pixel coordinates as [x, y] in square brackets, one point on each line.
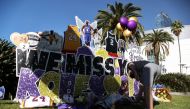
[49, 85]
[50, 41]
[80, 24]
[27, 83]
[33, 40]
[81, 84]
[102, 52]
[85, 50]
[20, 60]
[111, 44]
[115, 84]
[71, 37]
[67, 85]
[86, 30]
[131, 86]
[117, 67]
[96, 85]
[97, 38]
[39, 101]
[134, 52]
[17, 38]
[121, 47]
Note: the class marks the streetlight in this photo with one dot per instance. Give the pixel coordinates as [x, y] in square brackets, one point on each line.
[182, 65]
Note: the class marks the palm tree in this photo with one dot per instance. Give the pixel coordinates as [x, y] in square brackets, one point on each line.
[158, 41]
[8, 77]
[108, 19]
[176, 27]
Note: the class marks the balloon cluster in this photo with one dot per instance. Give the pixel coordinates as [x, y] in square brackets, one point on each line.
[127, 25]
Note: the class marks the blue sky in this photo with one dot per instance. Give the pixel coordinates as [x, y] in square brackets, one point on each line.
[39, 15]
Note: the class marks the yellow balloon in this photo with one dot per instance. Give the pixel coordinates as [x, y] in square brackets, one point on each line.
[119, 27]
[133, 18]
[127, 33]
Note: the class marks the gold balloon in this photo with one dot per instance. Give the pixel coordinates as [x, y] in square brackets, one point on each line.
[127, 33]
[119, 27]
[133, 18]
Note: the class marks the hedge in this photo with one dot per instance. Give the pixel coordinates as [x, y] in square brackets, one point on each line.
[175, 81]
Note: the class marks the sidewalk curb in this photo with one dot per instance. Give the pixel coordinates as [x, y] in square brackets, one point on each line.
[180, 93]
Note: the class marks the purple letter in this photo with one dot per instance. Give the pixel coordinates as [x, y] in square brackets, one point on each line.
[27, 83]
[67, 84]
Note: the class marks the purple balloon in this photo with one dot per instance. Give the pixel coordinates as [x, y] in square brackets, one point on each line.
[123, 21]
[132, 25]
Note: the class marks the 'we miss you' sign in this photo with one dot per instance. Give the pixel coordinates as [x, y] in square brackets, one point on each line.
[56, 74]
[61, 67]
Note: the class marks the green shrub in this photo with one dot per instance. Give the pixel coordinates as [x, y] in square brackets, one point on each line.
[8, 68]
[175, 81]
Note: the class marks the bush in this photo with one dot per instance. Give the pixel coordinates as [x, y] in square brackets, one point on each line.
[8, 77]
[175, 81]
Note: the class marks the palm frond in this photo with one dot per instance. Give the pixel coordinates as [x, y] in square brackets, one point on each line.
[160, 42]
[112, 8]
[107, 20]
[176, 27]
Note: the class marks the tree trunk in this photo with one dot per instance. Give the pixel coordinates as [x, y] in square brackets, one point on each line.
[179, 53]
[156, 59]
[156, 47]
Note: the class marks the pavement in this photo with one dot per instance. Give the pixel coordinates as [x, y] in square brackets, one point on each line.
[180, 93]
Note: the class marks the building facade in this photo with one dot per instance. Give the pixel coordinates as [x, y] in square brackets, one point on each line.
[171, 62]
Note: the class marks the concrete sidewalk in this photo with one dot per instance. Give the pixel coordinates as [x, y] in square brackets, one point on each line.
[180, 93]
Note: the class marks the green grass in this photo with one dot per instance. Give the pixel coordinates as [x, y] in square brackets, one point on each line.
[178, 102]
[7, 104]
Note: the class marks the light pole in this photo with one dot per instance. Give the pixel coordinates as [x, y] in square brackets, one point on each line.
[182, 66]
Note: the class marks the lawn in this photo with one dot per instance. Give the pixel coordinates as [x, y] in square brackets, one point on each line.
[178, 102]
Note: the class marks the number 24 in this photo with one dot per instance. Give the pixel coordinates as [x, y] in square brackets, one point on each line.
[35, 99]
